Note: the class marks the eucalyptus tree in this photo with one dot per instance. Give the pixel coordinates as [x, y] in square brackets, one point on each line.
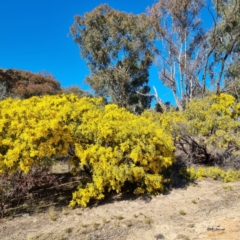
[180, 36]
[193, 60]
[119, 49]
[228, 48]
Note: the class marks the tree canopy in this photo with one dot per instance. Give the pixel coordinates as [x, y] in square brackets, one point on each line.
[119, 49]
[193, 61]
[228, 49]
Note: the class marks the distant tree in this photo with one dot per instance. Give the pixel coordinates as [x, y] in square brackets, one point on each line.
[77, 91]
[25, 84]
[3, 91]
[119, 49]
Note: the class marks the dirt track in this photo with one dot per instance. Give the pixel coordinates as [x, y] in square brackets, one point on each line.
[207, 210]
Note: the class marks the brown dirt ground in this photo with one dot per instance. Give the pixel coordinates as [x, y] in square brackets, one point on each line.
[206, 210]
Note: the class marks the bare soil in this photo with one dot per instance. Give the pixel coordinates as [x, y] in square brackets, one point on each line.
[204, 210]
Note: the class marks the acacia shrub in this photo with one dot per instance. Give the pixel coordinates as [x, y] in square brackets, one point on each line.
[33, 131]
[207, 131]
[118, 147]
[215, 173]
[113, 146]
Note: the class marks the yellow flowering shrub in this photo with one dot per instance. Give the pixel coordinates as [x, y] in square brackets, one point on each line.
[36, 130]
[215, 173]
[115, 147]
[118, 148]
[215, 115]
[207, 131]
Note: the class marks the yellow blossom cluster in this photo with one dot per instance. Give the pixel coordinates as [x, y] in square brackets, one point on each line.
[214, 121]
[34, 131]
[120, 147]
[215, 173]
[115, 146]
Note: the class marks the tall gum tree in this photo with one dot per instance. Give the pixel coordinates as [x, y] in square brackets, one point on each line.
[228, 49]
[119, 49]
[180, 36]
[193, 60]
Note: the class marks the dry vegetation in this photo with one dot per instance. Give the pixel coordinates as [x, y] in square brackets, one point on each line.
[205, 210]
[24, 84]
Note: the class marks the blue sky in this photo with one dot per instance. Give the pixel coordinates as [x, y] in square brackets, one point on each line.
[33, 37]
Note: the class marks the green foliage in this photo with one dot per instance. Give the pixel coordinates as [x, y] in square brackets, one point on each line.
[119, 49]
[225, 40]
[207, 131]
[115, 148]
[232, 80]
[76, 91]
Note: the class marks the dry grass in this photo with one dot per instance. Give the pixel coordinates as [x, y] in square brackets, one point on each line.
[119, 217]
[52, 213]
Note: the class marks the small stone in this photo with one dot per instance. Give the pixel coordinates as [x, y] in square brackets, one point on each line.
[25, 215]
[159, 236]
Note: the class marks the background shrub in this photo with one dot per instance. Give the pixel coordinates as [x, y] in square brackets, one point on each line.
[24, 84]
[207, 131]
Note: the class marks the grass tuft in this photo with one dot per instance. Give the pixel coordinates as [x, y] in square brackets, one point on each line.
[181, 212]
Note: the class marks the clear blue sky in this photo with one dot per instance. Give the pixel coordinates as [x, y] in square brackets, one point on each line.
[33, 37]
